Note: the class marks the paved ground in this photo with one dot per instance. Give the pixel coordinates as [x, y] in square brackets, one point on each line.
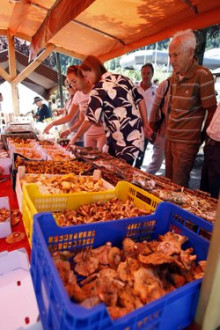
[195, 174]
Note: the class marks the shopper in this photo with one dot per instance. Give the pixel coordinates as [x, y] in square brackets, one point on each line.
[191, 95]
[72, 106]
[43, 111]
[158, 122]
[148, 90]
[116, 102]
[210, 179]
[78, 107]
[66, 110]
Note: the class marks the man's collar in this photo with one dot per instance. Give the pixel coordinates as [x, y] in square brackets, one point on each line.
[189, 74]
[141, 85]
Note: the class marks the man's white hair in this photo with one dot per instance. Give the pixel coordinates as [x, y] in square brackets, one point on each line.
[187, 38]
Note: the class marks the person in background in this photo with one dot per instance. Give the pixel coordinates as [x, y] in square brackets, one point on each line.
[156, 82]
[148, 91]
[210, 177]
[192, 95]
[53, 105]
[159, 111]
[43, 111]
[116, 102]
[63, 111]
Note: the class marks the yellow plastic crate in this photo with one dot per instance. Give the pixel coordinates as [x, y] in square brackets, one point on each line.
[34, 201]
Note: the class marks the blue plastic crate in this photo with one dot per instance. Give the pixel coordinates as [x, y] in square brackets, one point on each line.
[173, 311]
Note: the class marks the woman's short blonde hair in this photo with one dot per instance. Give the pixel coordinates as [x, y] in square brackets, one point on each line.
[92, 63]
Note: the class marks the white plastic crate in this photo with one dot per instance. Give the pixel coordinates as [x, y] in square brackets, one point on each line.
[17, 299]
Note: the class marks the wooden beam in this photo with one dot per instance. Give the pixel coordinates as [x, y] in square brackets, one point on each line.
[15, 99]
[3, 32]
[69, 53]
[12, 59]
[60, 15]
[13, 74]
[23, 36]
[207, 315]
[33, 65]
[4, 74]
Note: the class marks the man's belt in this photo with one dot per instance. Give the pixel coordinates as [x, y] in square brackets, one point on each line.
[211, 142]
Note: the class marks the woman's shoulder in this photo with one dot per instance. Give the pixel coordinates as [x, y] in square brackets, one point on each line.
[79, 96]
[114, 77]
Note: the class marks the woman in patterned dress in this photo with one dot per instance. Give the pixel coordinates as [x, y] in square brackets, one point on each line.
[115, 101]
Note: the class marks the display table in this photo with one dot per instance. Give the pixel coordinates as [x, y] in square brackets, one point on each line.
[6, 190]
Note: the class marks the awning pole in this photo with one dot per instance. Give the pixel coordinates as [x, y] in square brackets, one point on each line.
[60, 82]
[13, 74]
[15, 99]
[207, 315]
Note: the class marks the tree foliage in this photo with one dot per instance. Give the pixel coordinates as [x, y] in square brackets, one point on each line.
[207, 38]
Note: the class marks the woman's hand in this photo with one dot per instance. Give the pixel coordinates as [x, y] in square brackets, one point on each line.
[47, 128]
[64, 134]
[148, 131]
[72, 142]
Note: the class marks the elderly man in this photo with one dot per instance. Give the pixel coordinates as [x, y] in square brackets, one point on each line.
[43, 111]
[191, 96]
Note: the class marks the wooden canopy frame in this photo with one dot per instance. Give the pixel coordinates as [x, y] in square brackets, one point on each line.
[103, 28]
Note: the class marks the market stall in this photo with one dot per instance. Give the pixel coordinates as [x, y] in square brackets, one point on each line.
[85, 192]
[89, 271]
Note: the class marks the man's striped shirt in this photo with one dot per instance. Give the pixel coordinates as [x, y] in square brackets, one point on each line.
[189, 99]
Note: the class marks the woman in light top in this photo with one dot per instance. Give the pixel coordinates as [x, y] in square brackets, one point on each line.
[78, 106]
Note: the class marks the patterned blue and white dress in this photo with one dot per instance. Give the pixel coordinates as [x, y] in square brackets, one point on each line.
[114, 101]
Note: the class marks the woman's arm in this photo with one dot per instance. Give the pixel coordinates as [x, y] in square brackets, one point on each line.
[143, 110]
[78, 123]
[65, 133]
[65, 119]
[83, 128]
[208, 119]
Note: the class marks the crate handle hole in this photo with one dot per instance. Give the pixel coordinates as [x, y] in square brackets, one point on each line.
[27, 320]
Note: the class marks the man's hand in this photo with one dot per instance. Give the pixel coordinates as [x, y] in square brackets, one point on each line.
[47, 128]
[64, 134]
